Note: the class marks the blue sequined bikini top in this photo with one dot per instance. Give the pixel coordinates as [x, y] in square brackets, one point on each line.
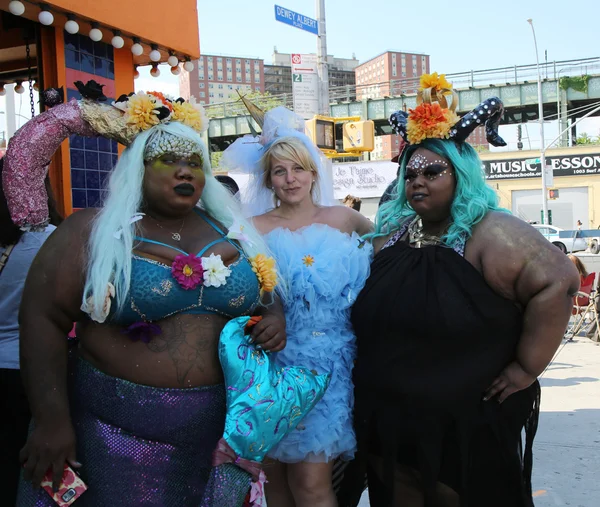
[154, 294]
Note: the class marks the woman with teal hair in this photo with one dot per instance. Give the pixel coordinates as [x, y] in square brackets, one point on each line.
[151, 278]
[464, 308]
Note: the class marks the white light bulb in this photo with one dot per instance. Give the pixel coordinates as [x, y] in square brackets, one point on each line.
[137, 49]
[95, 35]
[173, 61]
[117, 42]
[189, 66]
[19, 88]
[46, 18]
[136, 74]
[175, 70]
[155, 55]
[15, 7]
[2, 91]
[155, 72]
[72, 27]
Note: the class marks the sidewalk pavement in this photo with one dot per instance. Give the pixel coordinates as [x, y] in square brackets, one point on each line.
[566, 468]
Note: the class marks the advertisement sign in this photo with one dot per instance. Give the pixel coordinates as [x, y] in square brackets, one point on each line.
[562, 165]
[363, 179]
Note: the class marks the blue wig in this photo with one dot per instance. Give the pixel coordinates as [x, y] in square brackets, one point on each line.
[114, 228]
[473, 197]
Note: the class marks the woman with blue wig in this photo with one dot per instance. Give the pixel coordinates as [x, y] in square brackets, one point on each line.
[151, 280]
[464, 309]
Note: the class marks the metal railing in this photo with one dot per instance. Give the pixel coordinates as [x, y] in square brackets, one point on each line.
[516, 74]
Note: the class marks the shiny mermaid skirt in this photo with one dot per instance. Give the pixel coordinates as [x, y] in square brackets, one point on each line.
[139, 445]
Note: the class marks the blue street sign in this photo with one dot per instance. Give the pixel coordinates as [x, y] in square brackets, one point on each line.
[298, 20]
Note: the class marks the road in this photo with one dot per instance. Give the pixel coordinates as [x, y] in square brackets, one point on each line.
[567, 446]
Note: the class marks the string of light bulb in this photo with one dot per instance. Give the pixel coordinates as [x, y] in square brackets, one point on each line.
[46, 17]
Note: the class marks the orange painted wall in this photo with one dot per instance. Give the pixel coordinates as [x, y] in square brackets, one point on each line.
[55, 76]
[173, 24]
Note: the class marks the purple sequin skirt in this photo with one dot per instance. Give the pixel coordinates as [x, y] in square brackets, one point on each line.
[139, 445]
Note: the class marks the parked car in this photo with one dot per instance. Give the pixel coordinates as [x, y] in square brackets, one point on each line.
[566, 245]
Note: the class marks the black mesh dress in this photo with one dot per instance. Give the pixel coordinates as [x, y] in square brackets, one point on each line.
[432, 336]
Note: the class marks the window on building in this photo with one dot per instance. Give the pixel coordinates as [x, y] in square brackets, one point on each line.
[228, 60]
[257, 79]
[202, 86]
[238, 78]
[220, 87]
[203, 94]
[210, 76]
[220, 95]
[238, 62]
[211, 95]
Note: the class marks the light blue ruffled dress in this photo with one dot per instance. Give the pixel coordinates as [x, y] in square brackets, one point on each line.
[325, 270]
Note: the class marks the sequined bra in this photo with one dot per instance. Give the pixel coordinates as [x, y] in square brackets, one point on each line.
[154, 293]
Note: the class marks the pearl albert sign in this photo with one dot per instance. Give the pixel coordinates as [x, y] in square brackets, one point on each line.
[298, 20]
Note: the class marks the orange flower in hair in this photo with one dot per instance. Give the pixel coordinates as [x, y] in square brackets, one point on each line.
[429, 121]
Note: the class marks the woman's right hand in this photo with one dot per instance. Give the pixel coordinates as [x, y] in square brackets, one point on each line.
[49, 445]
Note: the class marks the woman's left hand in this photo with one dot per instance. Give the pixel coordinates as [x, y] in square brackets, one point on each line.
[512, 379]
[269, 333]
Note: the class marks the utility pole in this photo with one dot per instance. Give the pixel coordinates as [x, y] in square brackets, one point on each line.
[542, 141]
[322, 68]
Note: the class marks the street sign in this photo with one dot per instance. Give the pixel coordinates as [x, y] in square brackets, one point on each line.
[305, 85]
[298, 20]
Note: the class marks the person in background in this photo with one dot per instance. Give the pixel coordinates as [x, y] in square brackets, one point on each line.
[352, 202]
[579, 265]
[229, 183]
[17, 250]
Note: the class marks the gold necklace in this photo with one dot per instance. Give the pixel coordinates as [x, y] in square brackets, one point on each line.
[176, 236]
[418, 238]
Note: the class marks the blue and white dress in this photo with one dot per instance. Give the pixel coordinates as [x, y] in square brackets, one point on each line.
[325, 270]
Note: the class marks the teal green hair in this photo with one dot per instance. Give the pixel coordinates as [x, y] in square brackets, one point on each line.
[473, 197]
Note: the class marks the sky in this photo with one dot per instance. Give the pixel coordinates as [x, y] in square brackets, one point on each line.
[459, 36]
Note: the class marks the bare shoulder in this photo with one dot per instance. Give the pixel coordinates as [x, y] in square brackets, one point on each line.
[505, 231]
[265, 223]
[504, 249]
[346, 219]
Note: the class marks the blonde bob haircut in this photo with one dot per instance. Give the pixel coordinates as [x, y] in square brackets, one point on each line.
[290, 149]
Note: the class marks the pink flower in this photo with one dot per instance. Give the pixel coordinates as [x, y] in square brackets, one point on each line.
[188, 271]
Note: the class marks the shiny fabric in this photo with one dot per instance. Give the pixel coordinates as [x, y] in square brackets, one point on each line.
[264, 400]
[155, 295]
[325, 269]
[139, 445]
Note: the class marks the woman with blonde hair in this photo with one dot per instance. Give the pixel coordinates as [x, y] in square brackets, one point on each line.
[324, 264]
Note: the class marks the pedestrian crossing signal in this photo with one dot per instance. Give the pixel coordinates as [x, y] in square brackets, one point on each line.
[359, 136]
[553, 193]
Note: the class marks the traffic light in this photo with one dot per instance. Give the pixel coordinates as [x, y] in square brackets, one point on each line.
[553, 193]
[338, 137]
[321, 132]
[359, 136]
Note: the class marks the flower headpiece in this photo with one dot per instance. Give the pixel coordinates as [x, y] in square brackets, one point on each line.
[434, 118]
[31, 148]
